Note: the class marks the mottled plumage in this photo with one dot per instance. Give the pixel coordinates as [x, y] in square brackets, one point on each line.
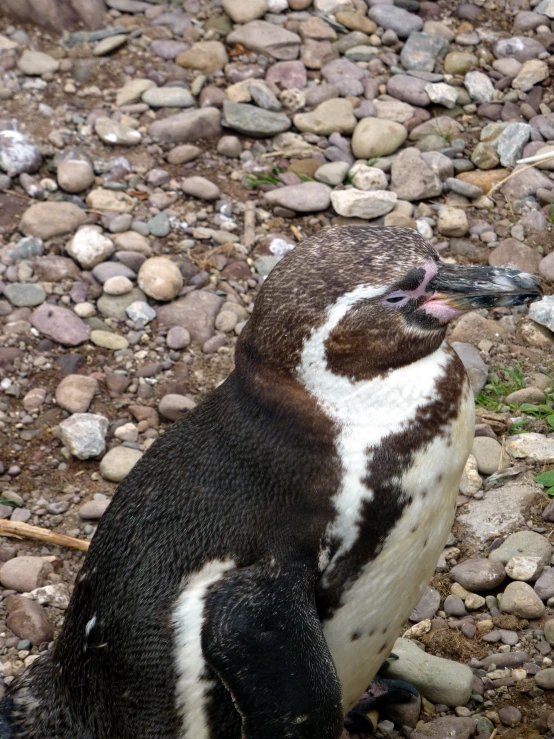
[254, 568]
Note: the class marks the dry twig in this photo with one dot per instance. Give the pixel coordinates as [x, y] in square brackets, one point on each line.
[19, 530]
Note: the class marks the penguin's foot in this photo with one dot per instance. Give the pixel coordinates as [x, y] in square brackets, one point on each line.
[381, 693]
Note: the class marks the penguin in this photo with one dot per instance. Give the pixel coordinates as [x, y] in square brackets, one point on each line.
[253, 570]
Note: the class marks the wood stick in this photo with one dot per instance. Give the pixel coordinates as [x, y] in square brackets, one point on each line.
[249, 225]
[26, 531]
[297, 233]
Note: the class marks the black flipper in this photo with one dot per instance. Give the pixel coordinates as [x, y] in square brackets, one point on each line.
[263, 637]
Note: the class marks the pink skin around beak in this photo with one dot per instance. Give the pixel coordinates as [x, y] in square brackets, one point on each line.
[436, 305]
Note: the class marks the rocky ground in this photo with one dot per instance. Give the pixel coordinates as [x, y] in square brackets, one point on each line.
[152, 174]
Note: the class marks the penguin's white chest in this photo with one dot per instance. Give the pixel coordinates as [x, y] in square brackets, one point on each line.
[362, 630]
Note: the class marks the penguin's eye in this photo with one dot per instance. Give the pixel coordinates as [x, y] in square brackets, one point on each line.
[396, 300]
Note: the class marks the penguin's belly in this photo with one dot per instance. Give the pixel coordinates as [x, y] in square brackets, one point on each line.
[362, 630]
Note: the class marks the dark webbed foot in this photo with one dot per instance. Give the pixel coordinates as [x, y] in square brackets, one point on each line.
[380, 694]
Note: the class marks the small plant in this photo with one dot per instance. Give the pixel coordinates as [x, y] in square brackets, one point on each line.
[503, 381]
[251, 181]
[547, 480]
[518, 427]
[446, 136]
[11, 503]
[551, 216]
[348, 180]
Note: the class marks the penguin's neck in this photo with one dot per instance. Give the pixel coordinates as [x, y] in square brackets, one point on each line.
[379, 406]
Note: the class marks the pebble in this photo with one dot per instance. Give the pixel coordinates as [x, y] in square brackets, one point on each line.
[23, 574]
[374, 137]
[188, 126]
[243, 11]
[229, 146]
[252, 121]
[60, 325]
[409, 89]
[196, 312]
[200, 187]
[524, 568]
[544, 587]
[421, 51]
[187, 152]
[76, 392]
[117, 463]
[336, 115]
[542, 312]
[48, 220]
[160, 278]
[471, 481]
[511, 143]
[18, 153]
[168, 97]
[452, 222]
[115, 306]
[479, 87]
[523, 543]
[23, 295]
[205, 56]
[266, 38]
[427, 606]
[118, 285]
[412, 178]
[178, 338]
[175, 406]
[90, 246]
[477, 575]
[132, 91]
[93, 509]
[116, 134]
[520, 599]
[308, 197]
[28, 620]
[108, 340]
[140, 311]
[488, 453]
[355, 203]
[438, 679]
[532, 72]
[391, 17]
[545, 678]
[531, 446]
[37, 63]
[84, 434]
[110, 44]
[75, 174]
[159, 225]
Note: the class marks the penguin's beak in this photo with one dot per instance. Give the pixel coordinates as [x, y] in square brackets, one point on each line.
[458, 288]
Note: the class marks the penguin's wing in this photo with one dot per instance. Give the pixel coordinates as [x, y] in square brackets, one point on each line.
[263, 637]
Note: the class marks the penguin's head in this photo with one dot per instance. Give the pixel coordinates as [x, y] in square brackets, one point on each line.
[366, 300]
